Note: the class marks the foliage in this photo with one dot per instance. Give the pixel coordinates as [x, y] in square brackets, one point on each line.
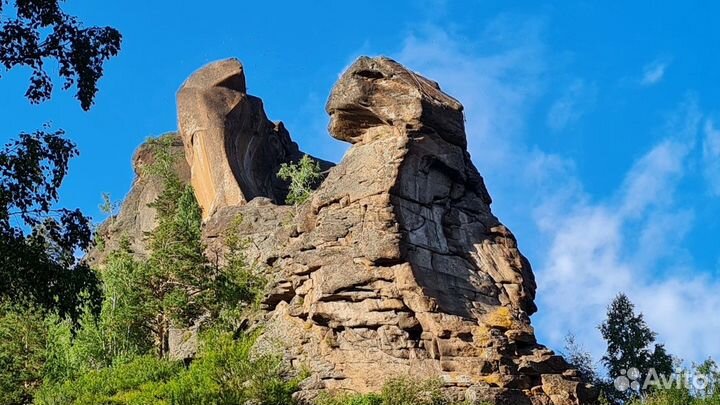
[38, 242]
[303, 176]
[581, 360]
[101, 386]
[40, 267]
[22, 352]
[176, 273]
[108, 206]
[631, 343]
[119, 332]
[225, 373]
[125, 310]
[399, 391]
[35, 31]
[238, 285]
[350, 399]
[683, 395]
[177, 286]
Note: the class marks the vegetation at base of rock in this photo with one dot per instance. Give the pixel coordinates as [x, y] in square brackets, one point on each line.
[303, 177]
[180, 286]
[225, 373]
[397, 391]
[116, 350]
[238, 282]
[22, 352]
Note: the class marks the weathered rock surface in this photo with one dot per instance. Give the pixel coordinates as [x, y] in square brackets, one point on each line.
[396, 266]
[233, 149]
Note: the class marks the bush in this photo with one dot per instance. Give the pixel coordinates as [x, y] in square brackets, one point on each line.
[108, 385]
[23, 337]
[303, 176]
[398, 391]
[225, 374]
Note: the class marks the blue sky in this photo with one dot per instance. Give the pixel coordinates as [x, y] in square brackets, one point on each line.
[596, 126]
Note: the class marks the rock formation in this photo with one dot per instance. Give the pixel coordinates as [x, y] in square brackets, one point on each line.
[396, 266]
[233, 149]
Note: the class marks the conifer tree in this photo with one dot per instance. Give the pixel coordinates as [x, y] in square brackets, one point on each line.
[631, 344]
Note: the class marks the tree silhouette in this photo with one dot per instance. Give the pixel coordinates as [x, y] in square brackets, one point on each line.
[38, 242]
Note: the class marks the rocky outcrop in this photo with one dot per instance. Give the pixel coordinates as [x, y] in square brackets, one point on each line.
[233, 149]
[396, 266]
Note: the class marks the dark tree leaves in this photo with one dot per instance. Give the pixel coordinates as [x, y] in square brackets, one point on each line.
[40, 31]
[38, 243]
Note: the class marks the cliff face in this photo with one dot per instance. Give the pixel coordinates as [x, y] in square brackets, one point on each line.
[396, 265]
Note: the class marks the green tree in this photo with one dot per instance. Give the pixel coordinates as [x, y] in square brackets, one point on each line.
[35, 31]
[631, 344]
[177, 269]
[125, 308]
[108, 206]
[183, 286]
[580, 359]
[23, 337]
[37, 240]
[303, 177]
[237, 284]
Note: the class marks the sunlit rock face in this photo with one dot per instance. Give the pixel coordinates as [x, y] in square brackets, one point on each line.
[396, 265]
[233, 149]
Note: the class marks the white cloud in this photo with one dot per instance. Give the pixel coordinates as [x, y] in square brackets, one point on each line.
[600, 248]
[654, 72]
[652, 177]
[587, 249]
[711, 156]
[495, 87]
[571, 105]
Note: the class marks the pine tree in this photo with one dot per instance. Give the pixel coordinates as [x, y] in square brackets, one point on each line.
[184, 287]
[177, 270]
[631, 343]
